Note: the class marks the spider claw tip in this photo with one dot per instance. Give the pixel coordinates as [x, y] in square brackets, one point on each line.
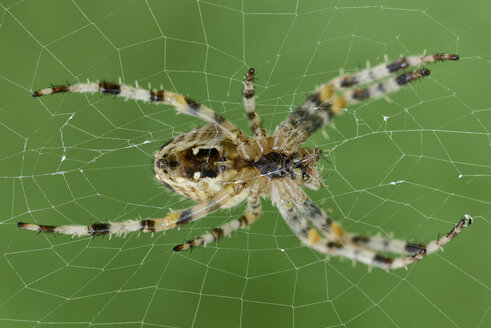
[424, 72]
[465, 221]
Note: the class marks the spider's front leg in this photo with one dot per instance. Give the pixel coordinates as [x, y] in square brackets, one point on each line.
[230, 193]
[402, 247]
[333, 241]
[319, 218]
[323, 104]
[250, 216]
[360, 248]
[382, 71]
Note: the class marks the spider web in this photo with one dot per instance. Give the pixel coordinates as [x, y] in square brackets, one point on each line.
[409, 166]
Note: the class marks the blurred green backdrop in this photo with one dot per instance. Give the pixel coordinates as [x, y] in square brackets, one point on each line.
[409, 167]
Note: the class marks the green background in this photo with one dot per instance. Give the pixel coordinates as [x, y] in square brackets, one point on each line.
[78, 159]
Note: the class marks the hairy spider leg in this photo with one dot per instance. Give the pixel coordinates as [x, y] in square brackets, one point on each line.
[311, 238]
[231, 193]
[385, 70]
[319, 218]
[181, 103]
[402, 247]
[255, 123]
[323, 104]
[378, 243]
[358, 248]
[252, 213]
[297, 223]
[376, 90]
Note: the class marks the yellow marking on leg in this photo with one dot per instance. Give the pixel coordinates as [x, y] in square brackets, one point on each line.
[250, 217]
[170, 220]
[338, 105]
[337, 230]
[327, 91]
[314, 236]
[176, 100]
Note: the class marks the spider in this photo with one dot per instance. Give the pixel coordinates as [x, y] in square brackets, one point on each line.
[217, 166]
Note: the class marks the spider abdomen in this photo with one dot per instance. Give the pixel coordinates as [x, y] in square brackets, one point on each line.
[192, 163]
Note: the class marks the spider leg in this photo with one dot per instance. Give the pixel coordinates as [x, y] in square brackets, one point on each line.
[355, 250]
[310, 237]
[352, 249]
[322, 104]
[384, 70]
[319, 218]
[376, 90]
[181, 103]
[402, 247]
[297, 223]
[378, 243]
[250, 216]
[255, 123]
[231, 193]
[335, 233]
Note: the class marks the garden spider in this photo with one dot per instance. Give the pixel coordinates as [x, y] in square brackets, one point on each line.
[217, 166]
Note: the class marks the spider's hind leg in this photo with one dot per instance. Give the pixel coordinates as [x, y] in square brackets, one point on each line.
[250, 216]
[181, 103]
[230, 193]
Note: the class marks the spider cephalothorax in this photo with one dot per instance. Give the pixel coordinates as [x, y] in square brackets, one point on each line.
[218, 166]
